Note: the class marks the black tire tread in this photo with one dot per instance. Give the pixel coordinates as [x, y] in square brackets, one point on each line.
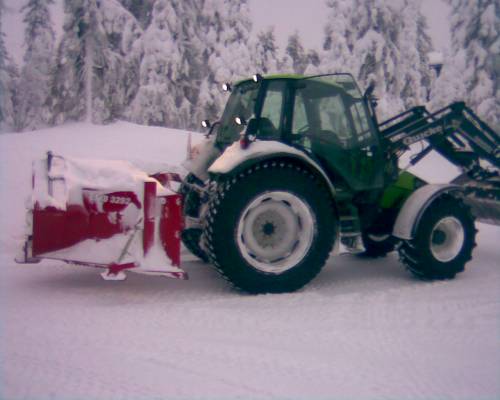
[375, 249]
[219, 192]
[191, 240]
[417, 260]
[191, 207]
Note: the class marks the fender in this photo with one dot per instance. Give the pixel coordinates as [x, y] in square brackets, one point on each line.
[236, 159]
[414, 207]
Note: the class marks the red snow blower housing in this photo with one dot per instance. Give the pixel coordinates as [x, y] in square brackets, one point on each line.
[106, 214]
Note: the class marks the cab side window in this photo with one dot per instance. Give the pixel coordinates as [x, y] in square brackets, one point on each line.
[364, 134]
[272, 109]
[333, 117]
[299, 121]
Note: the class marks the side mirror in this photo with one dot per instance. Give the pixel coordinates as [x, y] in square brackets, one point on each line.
[369, 90]
[252, 127]
[250, 133]
[369, 97]
[208, 125]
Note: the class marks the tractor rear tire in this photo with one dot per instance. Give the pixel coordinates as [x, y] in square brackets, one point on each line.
[443, 242]
[271, 228]
[191, 239]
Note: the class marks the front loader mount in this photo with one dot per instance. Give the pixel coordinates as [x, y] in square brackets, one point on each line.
[105, 214]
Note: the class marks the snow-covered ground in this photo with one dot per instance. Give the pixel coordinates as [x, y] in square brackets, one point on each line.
[364, 329]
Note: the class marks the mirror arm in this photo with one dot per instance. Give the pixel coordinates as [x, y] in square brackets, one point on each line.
[212, 128]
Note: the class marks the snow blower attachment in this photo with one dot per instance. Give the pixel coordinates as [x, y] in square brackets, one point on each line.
[104, 214]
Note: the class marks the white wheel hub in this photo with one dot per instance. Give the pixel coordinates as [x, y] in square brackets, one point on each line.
[275, 231]
[447, 239]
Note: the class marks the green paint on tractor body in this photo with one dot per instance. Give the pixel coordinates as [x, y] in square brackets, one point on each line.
[396, 193]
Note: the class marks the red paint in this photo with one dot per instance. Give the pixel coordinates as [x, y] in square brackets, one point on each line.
[99, 216]
[244, 142]
[55, 229]
[148, 236]
[113, 269]
[171, 224]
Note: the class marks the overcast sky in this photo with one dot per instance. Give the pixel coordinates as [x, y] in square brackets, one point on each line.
[306, 16]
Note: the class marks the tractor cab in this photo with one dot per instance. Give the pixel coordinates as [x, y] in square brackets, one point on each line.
[326, 116]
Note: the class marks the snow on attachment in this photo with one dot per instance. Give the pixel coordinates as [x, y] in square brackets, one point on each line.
[106, 214]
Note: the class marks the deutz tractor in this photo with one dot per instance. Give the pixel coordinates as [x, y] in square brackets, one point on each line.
[297, 163]
[296, 166]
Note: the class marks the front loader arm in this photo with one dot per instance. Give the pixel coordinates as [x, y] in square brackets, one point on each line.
[466, 141]
[451, 131]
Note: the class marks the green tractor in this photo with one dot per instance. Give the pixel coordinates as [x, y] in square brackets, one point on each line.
[300, 164]
[296, 166]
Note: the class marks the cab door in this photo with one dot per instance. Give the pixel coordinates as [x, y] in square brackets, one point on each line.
[370, 168]
[335, 127]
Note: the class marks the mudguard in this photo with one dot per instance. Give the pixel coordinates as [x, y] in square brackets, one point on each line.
[414, 207]
[236, 159]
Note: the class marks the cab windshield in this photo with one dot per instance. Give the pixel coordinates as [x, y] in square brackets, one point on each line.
[241, 103]
[344, 81]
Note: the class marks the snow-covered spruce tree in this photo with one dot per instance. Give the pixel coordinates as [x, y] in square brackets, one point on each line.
[475, 27]
[225, 29]
[8, 77]
[125, 40]
[313, 60]
[339, 39]
[414, 47]
[265, 53]
[383, 42]
[33, 87]
[96, 62]
[296, 53]
[297, 59]
[450, 85]
[170, 67]
[142, 10]
[376, 53]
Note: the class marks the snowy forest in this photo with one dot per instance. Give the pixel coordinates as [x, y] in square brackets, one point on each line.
[161, 62]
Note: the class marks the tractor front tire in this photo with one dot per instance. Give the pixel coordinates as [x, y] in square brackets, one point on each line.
[377, 245]
[191, 237]
[271, 228]
[443, 242]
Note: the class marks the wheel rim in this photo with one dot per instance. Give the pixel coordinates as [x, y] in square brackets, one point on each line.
[447, 239]
[275, 231]
[378, 238]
